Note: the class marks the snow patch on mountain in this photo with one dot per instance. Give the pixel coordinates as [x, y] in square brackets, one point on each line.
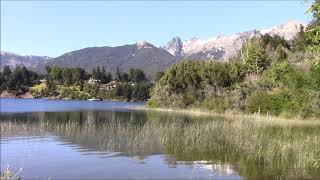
[228, 46]
[144, 44]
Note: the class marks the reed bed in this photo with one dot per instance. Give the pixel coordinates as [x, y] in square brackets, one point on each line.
[257, 147]
[235, 115]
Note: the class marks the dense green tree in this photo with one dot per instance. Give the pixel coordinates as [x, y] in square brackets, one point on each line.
[254, 57]
[94, 73]
[216, 75]
[81, 83]
[106, 77]
[78, 74]
[236, 70]
[137, 75]
[273, 41]
[98, 73]
[300, 41]
[17, 80]
[67, 76]
[6, 72]
[118, 73]
[124, 90]
[140, 91]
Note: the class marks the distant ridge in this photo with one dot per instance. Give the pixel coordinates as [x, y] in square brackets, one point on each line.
[13, 60]
[151, 59]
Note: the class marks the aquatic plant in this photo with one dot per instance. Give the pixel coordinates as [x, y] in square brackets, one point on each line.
[8, 174]
[258, 146]
[317, 163]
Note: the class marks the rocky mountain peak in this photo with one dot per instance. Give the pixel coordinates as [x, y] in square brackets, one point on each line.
[144, 44]
[226, 46]
[287, 30]
[174, 46]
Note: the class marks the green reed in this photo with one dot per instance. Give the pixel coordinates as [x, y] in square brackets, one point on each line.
[258, 147]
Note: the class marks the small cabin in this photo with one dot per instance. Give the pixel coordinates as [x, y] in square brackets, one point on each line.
[43, 80]
[111, 85]
[93, 81]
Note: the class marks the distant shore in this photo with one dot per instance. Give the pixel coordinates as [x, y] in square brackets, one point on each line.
[28, 95]
[5, 94]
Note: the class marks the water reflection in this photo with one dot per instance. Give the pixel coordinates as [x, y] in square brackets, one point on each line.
[215, 146]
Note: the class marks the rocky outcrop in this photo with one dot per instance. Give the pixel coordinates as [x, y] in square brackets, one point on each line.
[174, 47]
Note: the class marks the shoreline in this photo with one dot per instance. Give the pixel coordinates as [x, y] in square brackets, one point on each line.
[66, 99]
[236, 116]
[232, 115]
[29, 96]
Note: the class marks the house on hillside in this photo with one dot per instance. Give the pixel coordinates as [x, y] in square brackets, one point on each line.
[93, 81]
[111, 85]
[42, 80]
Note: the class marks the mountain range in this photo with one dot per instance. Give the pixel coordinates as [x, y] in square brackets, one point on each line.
[151, 59]
[14, 60]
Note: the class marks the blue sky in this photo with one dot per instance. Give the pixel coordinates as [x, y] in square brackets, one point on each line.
[53, 27]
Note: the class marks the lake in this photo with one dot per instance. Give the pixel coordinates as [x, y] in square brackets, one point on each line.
[109, 140]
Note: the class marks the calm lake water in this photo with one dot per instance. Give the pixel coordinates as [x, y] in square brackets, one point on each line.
[106, 140]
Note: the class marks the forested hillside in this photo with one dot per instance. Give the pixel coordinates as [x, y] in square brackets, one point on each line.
[269, 75]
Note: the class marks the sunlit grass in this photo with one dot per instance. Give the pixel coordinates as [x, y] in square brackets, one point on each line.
[233, 115]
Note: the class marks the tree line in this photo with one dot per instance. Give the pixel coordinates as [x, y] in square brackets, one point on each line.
[72, 82]
[17, 80]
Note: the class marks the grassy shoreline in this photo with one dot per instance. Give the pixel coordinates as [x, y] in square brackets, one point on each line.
[236, 115]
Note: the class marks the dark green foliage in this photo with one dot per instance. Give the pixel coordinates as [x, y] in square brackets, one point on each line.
[94, 73]
[137, 75]
[103, 76]
[300, 42]
[118, 73]
[315, 11]
[274, 41]
[141, 91]
[71, 83]
[254, 56]
[6, 72]
[122, 76]
[198, 74]
[17, 80]
[236, 71]
[182, 76]
[136, 92]
[192, 82]
[265, 103]
[315, 72]
[66, 76]
[158, 76]
[81, 85]
[124, 90]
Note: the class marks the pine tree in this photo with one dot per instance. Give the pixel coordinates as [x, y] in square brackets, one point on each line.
[98, 73]
[118, 74]
[103, 76]
[254, 58]
[94, 73]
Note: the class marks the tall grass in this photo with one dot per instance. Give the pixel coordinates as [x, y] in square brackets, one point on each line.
[258, 147]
